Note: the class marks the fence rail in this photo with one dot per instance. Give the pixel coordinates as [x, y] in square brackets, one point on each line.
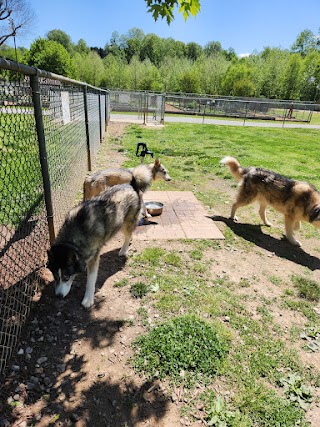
[245, 108]
[51, 129]
[152, 106]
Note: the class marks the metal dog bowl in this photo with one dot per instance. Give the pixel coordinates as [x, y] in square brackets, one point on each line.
[154, 208]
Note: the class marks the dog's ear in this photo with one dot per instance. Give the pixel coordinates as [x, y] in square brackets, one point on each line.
[315, 214]
[157, 162]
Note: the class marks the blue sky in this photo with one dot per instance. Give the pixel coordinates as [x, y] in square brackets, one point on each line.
[246, 26]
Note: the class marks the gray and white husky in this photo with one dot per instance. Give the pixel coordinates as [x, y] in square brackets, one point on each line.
[88, 227]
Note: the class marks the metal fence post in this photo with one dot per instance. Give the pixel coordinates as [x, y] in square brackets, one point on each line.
[36, 97]
[100, 118]
[85, 100]
[163, 108]
[245, 114]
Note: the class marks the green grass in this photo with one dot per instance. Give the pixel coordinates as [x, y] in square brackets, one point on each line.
[193, 152]
[307, 288]
[256, 368]
[20, 174]
[179, 347]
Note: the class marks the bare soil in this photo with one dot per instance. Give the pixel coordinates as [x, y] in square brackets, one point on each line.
[71, 367]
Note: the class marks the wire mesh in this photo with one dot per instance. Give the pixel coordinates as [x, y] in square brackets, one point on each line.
[261, 109]
[23, 226]
[72, 118]
[149, 106]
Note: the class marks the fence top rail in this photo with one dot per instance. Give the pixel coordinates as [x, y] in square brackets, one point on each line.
[7, 64]
[236, 98]
[241, 101]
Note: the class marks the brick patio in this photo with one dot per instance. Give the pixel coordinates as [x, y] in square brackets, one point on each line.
[183, 217]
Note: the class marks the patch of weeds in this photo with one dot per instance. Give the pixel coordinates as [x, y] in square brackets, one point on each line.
[296, 391]
[151, 256]
[265, 313]
[139, 290]
[143, 314]
[303, 307]
[184, 345]
[199, 267]
[196, 254]
[205, 244]
[307, 288]
[172, 259]
[275, 280]
[229, 235]
[244, 283]
[266, 409]
[288, 292]
[217, 413]
[121, 283]
[311, 335]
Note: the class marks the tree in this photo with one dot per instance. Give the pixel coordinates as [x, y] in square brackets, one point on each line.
[212, 48]
[15, 16]
[164, 8]
[194, 51]
[61, 37]
[305, 42]
[239, 80]
[90, 68]
[132, 43]
[152, 48]
[50, 56]
[292, 77]
[82, 47]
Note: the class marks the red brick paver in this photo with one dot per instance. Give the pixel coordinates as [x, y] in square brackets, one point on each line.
[183, 217]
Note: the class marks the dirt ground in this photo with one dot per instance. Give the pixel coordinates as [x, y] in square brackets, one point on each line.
[71, 367]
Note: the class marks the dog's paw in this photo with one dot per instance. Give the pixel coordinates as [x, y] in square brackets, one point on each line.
[268, 224]
[234, 218]
[147, 215]
[87, 302]
[123, 252]
[63, 289]
[293, 241]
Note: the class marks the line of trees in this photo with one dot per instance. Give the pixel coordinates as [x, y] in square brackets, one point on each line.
[138, 61]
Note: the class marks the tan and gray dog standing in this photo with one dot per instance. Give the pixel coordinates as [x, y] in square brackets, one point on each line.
[298, 201]
[99, 181]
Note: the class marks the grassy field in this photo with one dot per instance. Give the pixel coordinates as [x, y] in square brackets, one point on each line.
[245, 370]
[194, 151]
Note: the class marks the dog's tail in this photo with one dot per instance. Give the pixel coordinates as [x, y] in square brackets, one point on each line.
[234, 167]
[141, 178]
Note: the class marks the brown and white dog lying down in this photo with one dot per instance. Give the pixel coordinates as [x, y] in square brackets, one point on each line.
[298, 201]
[95, 183]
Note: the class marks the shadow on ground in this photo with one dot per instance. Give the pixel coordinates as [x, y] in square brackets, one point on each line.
[282, 248]
[48, 384]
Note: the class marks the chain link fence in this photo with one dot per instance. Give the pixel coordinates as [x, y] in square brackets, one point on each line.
[244, 108]
[147, 107]
[51, 129]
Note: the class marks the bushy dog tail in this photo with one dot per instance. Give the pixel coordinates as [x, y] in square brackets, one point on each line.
[141, 178]
[234, 167]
